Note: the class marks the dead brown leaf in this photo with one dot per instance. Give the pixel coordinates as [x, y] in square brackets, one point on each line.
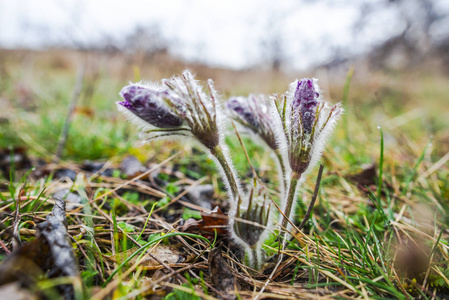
[171, 255]
[214, 221]
[190, 225]
[159, 289]
[221, 274]
[366, 178]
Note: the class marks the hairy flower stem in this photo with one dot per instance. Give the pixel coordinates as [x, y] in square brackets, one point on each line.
[255, 255]
[282, 174]
[290, 198]
[217, 151]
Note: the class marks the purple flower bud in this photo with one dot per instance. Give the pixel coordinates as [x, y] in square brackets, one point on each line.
[253, 112]
[242, 109]
[148, 104]
[310, 121]
[305, 103]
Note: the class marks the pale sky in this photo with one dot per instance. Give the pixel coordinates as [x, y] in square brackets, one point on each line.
[221, 33]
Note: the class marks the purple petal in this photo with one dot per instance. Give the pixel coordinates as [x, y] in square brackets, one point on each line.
[305, 102]
[242, 109]
[148, 104]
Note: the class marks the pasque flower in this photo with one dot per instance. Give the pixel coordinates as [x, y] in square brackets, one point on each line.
[180, 107]
[146, 103]
[307, 121]
[197, 109]
[203, 116]
[253, 112]
[257, 114]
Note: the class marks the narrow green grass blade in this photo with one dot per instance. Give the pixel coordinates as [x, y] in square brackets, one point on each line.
[381, 163]
[380, 285]
[146, 222]
[415, 169]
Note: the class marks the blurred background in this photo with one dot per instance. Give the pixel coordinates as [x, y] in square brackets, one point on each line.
[290, 35]
[63, 56]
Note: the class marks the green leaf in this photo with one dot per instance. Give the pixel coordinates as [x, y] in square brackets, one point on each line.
[126, 227]
[190, 213]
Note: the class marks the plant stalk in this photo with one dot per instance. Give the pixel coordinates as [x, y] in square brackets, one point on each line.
[255, 258]
[217, 151]
[283, 171]
[290, 198]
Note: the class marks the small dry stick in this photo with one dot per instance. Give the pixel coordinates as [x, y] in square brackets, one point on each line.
[68, 120]
[4, 247]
